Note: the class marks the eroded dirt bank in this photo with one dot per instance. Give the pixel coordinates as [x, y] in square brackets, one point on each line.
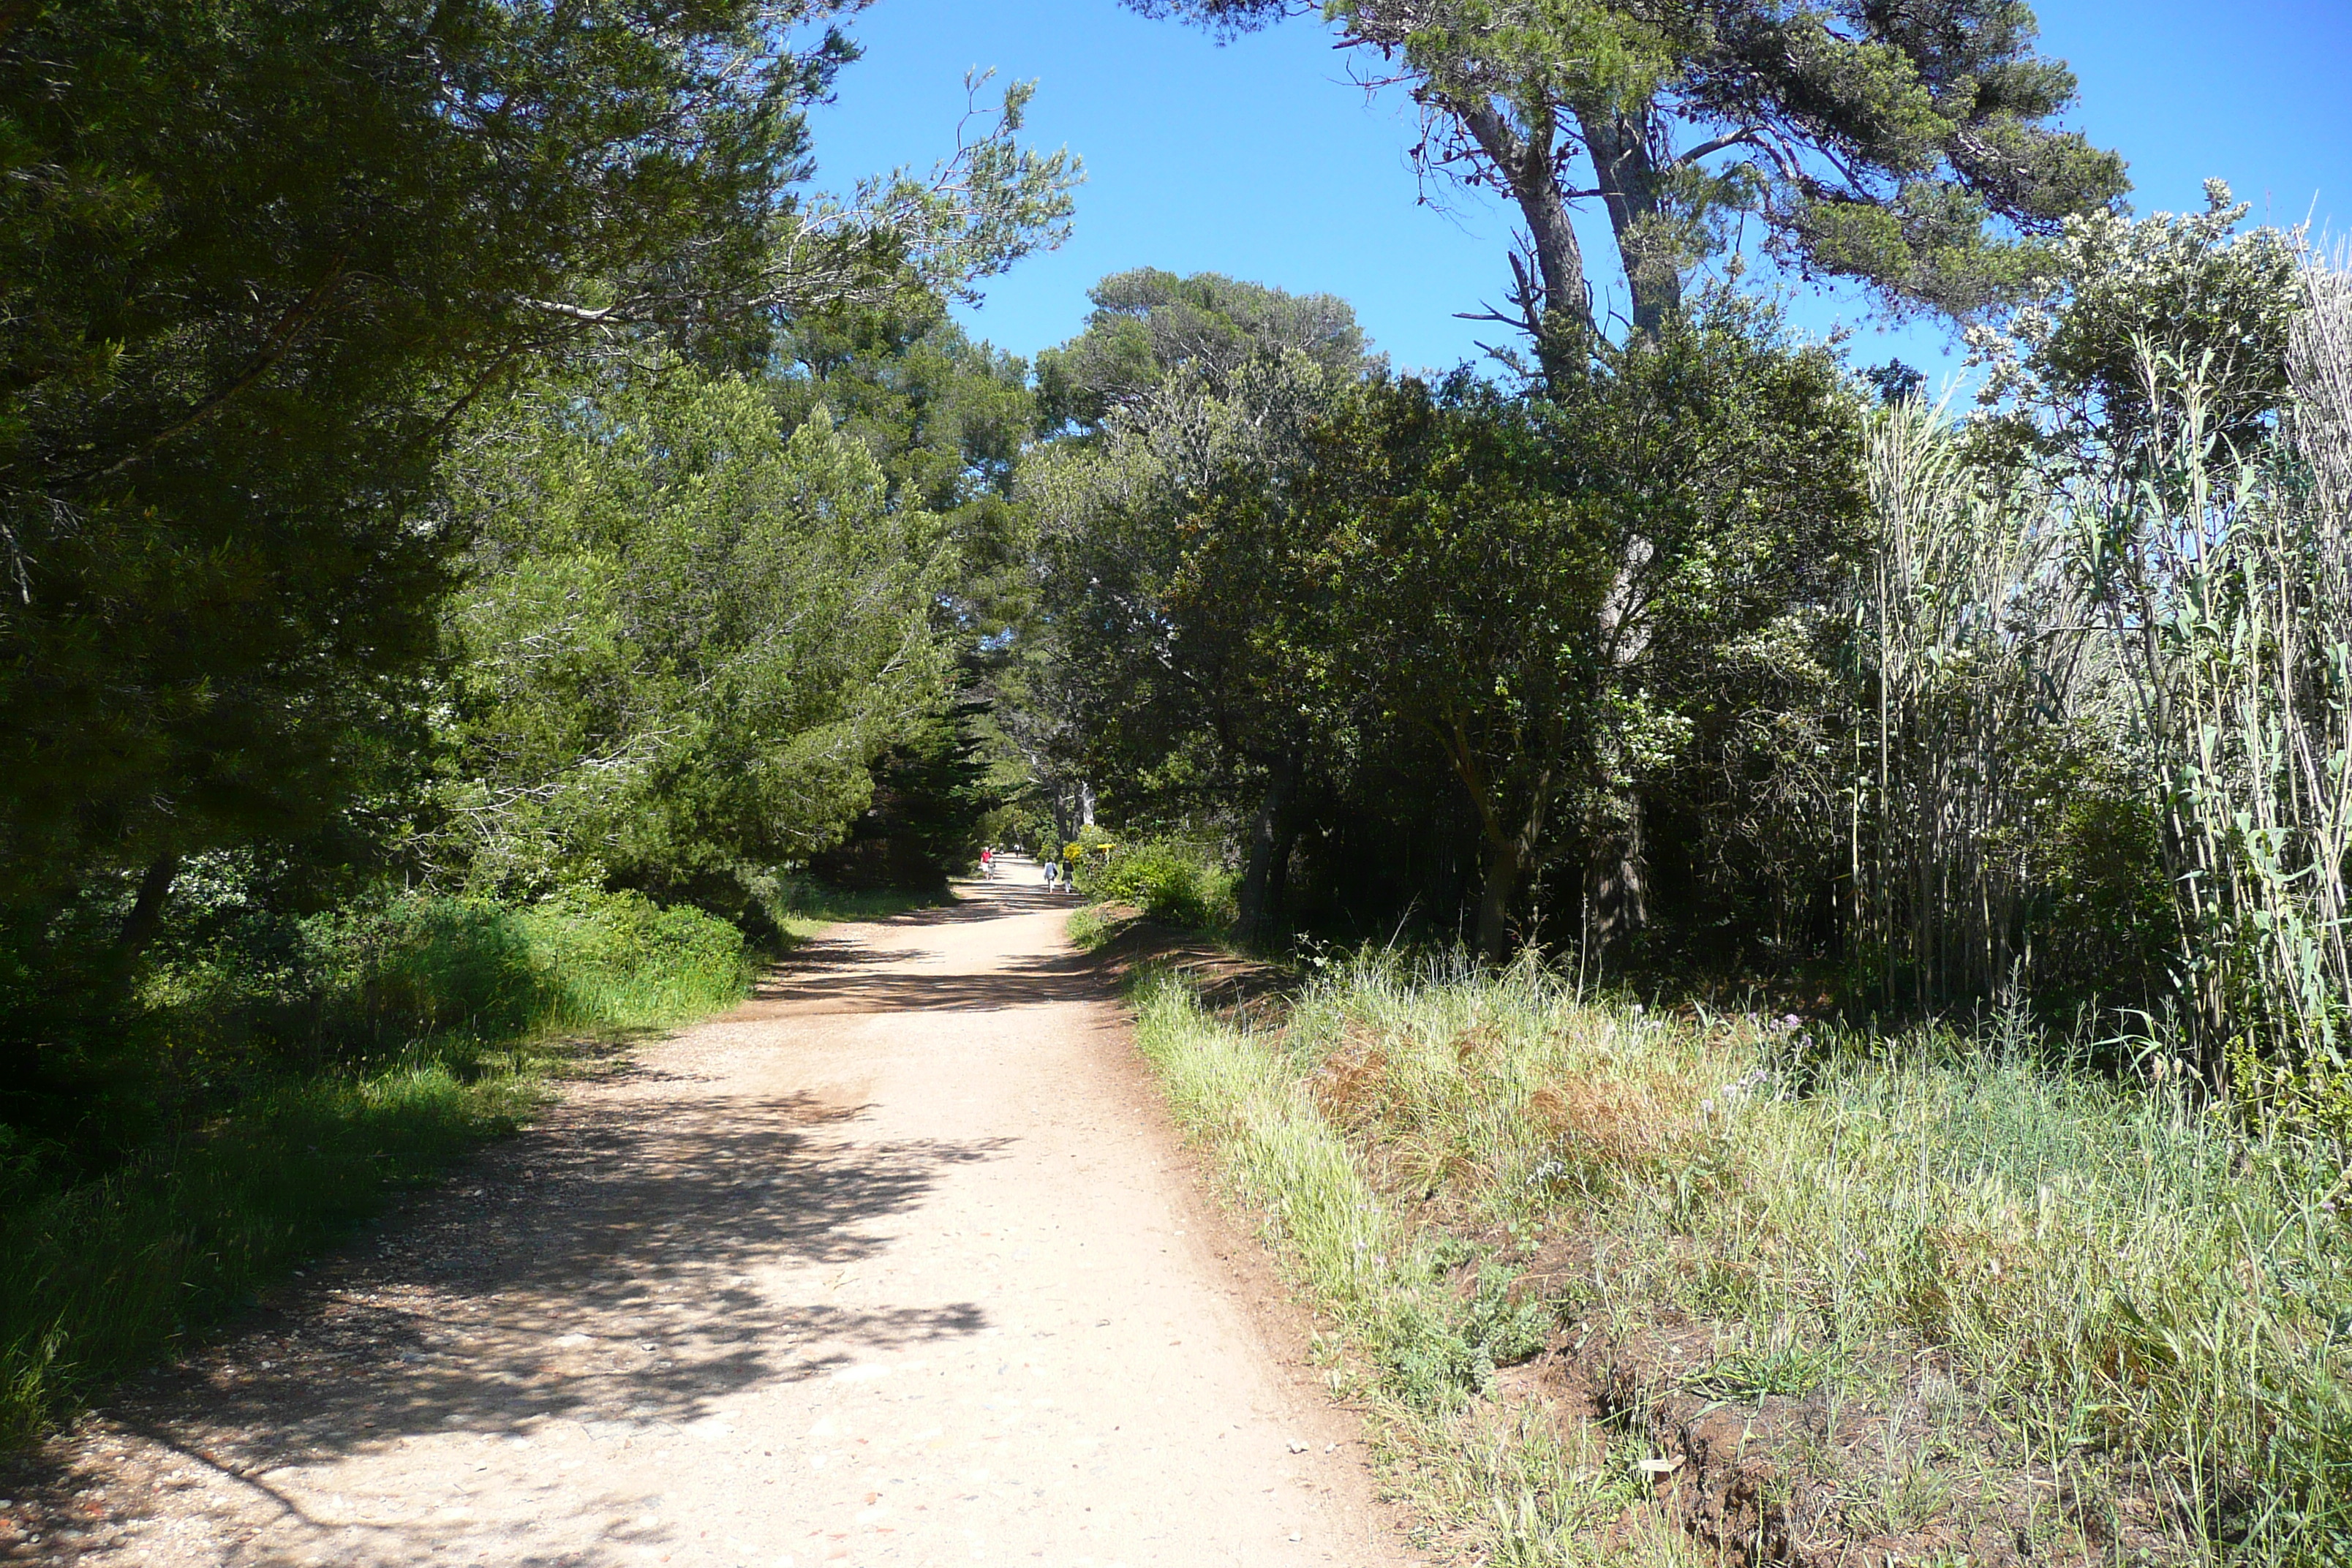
[896, 1264]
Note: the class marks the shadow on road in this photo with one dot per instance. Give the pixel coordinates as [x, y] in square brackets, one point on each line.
[593, 1271]
[842, 971]
[621, 1265]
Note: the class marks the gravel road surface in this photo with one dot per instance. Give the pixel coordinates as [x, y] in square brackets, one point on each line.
[896, 1264]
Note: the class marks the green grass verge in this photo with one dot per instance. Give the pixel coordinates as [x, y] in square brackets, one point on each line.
[102, 1278]
[805, 909]
[1092, 925]
[2106, 1284]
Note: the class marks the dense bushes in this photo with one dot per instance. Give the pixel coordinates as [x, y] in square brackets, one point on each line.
[1704, 664]
[1168, 879]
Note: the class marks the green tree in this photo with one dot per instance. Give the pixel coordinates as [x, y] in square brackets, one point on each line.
[1186, 644]
[254, 255]
[1147, 326]
[945, 415]
[1469, 583]
[1552, 588]
[2134, 314]
[255, 259]
[1914, 148]
[687, 637]
[1911, 146]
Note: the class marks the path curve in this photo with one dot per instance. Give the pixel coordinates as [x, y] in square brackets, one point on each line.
[896, 1264]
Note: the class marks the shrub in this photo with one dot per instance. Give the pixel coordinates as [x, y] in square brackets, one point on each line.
[408, 968]
[1168, 879]
[620, 959]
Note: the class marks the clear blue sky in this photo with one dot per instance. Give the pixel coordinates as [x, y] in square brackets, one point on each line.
[1260, 160]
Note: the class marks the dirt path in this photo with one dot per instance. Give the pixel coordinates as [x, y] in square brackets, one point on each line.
[896, 1264]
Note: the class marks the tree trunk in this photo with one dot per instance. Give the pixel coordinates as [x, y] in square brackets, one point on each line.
[1559, 319]
[1269, 841]
[1616, 899]
[1629, 189]
[147, 910]
[1494, 901]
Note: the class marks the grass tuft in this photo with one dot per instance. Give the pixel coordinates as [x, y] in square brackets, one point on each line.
[805, 908]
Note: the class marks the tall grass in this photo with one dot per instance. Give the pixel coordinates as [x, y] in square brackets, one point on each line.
[2121, 1287]
[2110, 701]
[420, 1035]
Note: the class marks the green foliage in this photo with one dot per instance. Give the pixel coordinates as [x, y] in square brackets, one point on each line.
[619, 960]
[945, 417]
[1538, 594]
[1169, 880]
[1552, 588]
[1148, 326]
[2101, 724]
[802, 907]
[2133, 315]
[1090, 926]
[684, 637]
[1166, 524]
[1914, 148]
[1471, 587]
[923, 825]
[253, 257]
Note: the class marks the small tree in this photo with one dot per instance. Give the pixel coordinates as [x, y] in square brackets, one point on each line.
[1185, 622]
[686, 636]
[1551, 587]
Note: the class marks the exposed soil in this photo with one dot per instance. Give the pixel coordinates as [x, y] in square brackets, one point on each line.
[899, 1263]
[1809, 1480]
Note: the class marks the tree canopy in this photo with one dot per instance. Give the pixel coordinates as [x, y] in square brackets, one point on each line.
[686, 631]
[259, 260]
[1913, 146]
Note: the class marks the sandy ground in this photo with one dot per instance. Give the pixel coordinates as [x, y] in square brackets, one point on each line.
[896, 1264]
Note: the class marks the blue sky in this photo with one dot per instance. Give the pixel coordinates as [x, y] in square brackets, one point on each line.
[1262, 160]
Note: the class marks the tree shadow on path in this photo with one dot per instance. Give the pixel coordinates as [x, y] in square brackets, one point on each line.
[652, 1246]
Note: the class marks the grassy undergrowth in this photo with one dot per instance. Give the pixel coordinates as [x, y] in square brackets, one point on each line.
[1091, 926]
[1976, 1306]
[420, 1030]
[803, 909]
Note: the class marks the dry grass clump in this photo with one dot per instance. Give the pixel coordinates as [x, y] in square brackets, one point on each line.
[1491, 1090]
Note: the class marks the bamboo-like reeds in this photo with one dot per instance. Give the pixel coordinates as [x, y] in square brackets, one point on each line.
[2179, 610]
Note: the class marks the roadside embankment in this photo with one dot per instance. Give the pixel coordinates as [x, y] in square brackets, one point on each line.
[1618, 1284]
